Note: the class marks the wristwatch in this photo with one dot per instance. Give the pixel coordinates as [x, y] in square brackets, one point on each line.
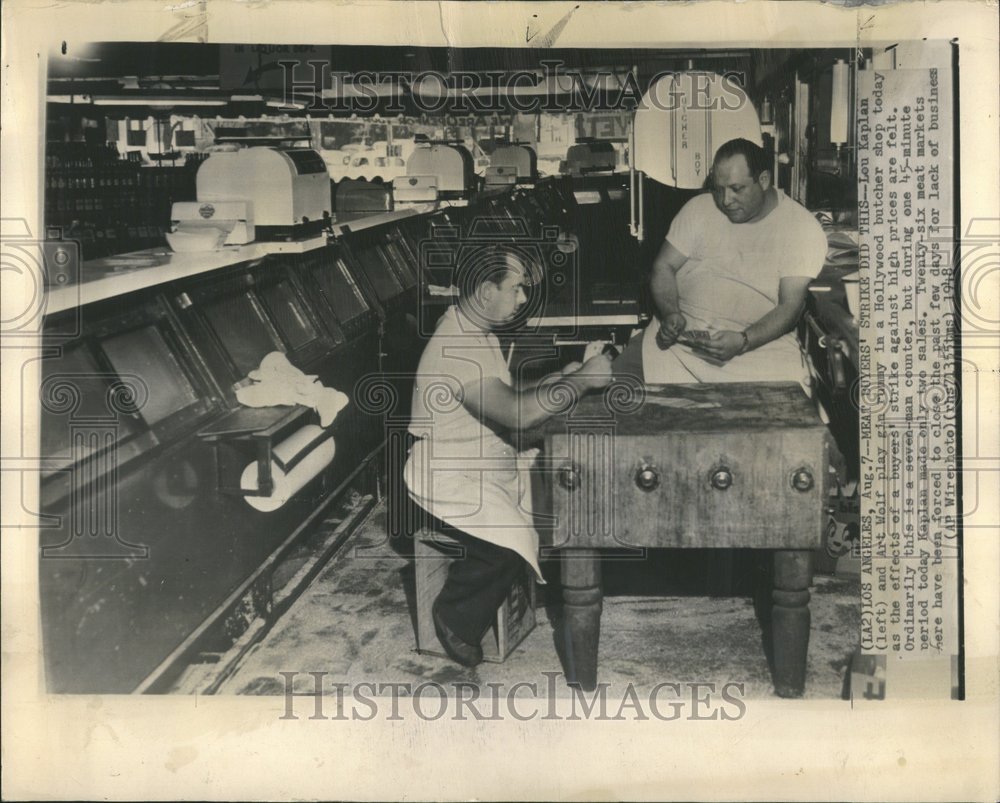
[746, 342]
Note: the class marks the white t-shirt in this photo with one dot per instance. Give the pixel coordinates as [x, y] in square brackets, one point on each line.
[458, 356]
[731, 276]
[729, 281]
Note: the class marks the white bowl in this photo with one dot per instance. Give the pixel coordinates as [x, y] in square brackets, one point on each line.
[203, 238]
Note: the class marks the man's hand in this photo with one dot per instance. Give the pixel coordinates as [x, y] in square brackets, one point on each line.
[722, 345]
[671, 326]
[595, 373]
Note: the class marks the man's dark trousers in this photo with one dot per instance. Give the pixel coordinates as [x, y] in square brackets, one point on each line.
[476, 585]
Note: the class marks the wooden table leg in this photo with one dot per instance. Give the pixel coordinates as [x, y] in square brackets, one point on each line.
[790, 620]
[581, 579]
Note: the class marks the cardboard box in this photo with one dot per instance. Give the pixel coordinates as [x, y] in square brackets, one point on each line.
[433, 554]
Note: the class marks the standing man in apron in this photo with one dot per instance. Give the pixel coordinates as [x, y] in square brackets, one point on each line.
[463, 468]
[735, 268]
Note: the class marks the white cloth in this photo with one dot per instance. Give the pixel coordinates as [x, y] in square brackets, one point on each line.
[462, 470]
[277, 381]
[729, 281]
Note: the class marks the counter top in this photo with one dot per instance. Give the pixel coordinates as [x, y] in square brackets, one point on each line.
[117, 275]
[125, 273]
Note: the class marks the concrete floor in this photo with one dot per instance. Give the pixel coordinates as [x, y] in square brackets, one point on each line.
[356, 623]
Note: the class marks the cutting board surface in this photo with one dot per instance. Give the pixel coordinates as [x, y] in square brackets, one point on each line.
[695, 408]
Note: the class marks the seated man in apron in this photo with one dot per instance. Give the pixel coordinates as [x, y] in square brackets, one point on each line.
[463, 468]
[730, 281]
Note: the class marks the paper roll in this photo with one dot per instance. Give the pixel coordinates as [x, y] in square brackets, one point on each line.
[287, 485]
[839, 100]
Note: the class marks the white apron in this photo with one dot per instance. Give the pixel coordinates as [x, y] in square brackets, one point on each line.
[491, 500]
[778, 361]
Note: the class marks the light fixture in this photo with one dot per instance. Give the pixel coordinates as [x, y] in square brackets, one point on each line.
[285, 104]
[839, 104]
[68, 99]
[165, 102]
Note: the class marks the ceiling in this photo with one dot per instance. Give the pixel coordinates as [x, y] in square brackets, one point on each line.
[246, 77]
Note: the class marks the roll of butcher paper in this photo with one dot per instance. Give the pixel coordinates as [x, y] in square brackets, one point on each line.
[286, 485]
[839, 103]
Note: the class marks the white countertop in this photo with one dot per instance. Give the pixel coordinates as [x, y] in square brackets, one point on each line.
[125, 273]
[117, 275]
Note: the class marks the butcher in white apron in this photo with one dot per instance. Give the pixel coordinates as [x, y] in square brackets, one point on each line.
[731, 280]
[463, 468]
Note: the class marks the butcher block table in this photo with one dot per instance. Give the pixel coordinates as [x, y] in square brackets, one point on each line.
[723, 466]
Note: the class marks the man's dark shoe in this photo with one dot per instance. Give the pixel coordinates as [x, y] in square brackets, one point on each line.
[458, 650]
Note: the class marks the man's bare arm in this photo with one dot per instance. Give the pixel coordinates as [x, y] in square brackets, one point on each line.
[569, 368]
[501, 404]
[792, 292]
[663, 285]
[663, 282]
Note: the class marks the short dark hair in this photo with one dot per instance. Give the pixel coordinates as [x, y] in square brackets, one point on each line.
[479, 267]
[757, 158]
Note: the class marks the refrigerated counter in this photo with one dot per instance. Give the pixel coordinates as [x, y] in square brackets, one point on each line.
[145, 442]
